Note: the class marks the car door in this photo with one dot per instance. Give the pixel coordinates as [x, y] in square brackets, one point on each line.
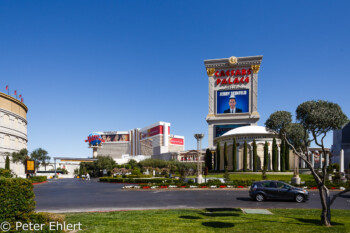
[270, 189]
[284, 191]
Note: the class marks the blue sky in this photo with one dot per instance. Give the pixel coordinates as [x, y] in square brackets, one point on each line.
[85, 66]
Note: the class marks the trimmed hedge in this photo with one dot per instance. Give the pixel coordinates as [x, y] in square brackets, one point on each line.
[6, 173]
[38, 179]
[138, 180]
[16, 198]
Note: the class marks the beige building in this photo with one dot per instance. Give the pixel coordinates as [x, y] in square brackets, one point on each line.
[13, 130]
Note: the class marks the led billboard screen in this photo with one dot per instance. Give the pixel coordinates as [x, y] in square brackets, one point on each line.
[221, 129]
[232, 101]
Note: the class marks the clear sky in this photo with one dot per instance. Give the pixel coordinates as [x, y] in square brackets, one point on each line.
[85, 66]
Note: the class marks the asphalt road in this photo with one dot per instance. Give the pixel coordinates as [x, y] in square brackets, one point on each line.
[72, 195]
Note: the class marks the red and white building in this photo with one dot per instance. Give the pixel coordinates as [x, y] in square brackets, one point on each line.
[140, 143]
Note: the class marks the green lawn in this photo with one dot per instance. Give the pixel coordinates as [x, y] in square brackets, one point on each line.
[210, 220]
[244, 176]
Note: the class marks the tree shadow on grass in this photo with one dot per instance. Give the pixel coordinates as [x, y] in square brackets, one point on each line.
[222, 212]
[218, 224]
[190, 217]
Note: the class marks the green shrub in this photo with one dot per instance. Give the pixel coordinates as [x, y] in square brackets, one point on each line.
[16, 198]
[136, 171]
[38, 179]
[6, 173]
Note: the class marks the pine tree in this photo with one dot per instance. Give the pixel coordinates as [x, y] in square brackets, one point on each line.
[7, 163]
[274, 155]
[234, 154]
[218, 156]
[266, 156]
[286, 156]
[245, 154]
[255, 157]
[282, 160]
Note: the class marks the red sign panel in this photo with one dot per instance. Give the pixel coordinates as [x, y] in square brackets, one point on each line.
[155, 131]
[177, 141]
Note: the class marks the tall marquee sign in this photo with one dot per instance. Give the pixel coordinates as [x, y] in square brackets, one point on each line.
[233, 94]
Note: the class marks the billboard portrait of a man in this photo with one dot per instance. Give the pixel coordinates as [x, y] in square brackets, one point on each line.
[232, 101]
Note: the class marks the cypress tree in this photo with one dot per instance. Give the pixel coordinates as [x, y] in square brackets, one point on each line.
[274, 155]
[286, 157]
[225, 156]
[218, 156]
[7, 163]
[255, 157]
[282, 160]
[226, 175]
[266, 156]
[245, 154]
[208, 159]
[234, 154]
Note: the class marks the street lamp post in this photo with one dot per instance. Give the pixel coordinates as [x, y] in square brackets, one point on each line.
[199, 137]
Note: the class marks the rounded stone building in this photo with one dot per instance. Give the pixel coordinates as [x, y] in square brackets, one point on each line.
[248, 134]
[13, 129]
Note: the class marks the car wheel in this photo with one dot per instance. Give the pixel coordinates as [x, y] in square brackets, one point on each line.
[259, 197]
[299, 198]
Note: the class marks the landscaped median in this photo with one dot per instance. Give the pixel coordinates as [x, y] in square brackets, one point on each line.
[172, 184]
[210, 220]
[38, 179]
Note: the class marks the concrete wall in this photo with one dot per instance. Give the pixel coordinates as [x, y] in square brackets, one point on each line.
[114, 150]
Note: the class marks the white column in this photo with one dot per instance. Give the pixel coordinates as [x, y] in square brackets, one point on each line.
[166, 135]
[312, 160]
[341, 160]
[327, 159]
[321, 164]
[94, 152]
[279, 158]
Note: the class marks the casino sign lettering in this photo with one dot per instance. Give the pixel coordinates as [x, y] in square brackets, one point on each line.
[241, 76]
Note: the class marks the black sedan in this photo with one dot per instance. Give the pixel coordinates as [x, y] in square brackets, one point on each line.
[271, 189]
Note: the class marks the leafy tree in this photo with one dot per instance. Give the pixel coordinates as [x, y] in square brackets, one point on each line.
[40, 157]
[255, 156]
[315, 118]
[274, 155]
[7, 162]
[282, 154]
[133, 163]
[234, 154]
[105, 162]
[20, 156]
[245, 155]
[218, 156]
[266, 156]
[208, 159]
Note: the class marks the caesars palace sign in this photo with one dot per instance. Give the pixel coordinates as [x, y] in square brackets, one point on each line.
[242, 79]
